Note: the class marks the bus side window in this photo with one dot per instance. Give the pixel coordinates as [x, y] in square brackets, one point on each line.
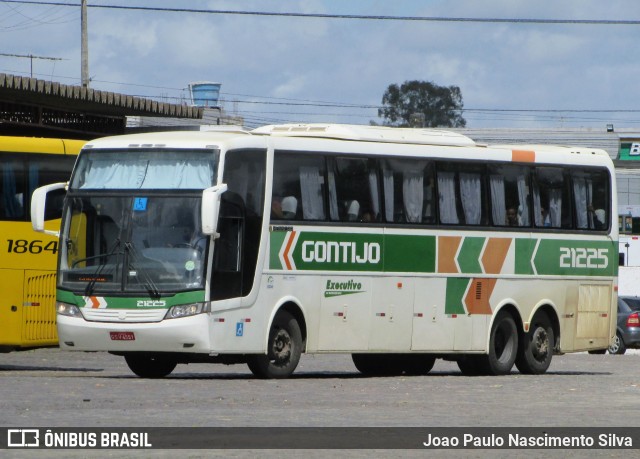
[509, 192]
[12, 191]
[591, 199]
[353, 189]
[551, 203]
[462, 193]
[408, 191]
[298, 187]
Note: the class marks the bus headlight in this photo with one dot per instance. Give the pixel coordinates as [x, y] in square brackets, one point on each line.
[186, 310]
[67, 309]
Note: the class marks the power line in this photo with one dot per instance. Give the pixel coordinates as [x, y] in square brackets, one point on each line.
[348, 16]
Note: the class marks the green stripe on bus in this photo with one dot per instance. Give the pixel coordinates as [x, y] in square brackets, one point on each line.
[456, 287]
[276, 241]
[409, 253]
[137, 302]
[524, 253]
[469, 256]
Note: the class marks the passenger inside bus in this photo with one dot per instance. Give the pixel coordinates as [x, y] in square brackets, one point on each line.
[353, 210]
[512, 217]
[289, 207]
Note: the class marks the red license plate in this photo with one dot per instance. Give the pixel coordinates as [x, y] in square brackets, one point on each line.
[122, 336]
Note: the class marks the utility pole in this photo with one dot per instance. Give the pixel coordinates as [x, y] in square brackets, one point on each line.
[84, 45]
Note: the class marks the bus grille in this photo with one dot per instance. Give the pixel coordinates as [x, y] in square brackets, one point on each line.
[39, 311]
[123, 315]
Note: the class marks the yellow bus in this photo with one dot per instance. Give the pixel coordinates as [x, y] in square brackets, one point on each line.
[28, 259]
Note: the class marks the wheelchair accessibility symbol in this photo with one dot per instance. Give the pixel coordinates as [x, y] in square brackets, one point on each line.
[239, 329]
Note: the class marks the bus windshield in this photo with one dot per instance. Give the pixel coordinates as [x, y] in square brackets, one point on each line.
[149, 243]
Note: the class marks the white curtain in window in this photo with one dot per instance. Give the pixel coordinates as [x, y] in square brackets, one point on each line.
[523, 209]
[184, 174]
[471, 197]
[498, 202]
[387, 183]
[590, 202]
[447, 198]
[413, 195]
[311, 188]
[137, 174]
[333, 197]
[581, 193]
[374, 194]
[555, 206]
[107, 174]
[537, 206]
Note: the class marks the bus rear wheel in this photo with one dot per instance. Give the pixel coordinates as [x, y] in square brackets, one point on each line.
[503, 345]
[150, 366]
[536, 349]
[283, 349]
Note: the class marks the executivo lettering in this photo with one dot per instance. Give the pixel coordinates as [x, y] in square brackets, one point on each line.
[342, 288]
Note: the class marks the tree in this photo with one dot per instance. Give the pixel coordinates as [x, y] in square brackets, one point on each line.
[422, 104]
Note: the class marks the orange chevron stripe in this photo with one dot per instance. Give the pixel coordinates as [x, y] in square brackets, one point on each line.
[495, 253]
[478, 295]
[447, 248]
[287, 262]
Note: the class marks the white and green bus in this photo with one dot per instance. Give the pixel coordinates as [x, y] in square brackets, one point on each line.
[397, 246]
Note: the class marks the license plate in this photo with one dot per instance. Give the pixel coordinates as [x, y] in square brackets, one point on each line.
[122, 336]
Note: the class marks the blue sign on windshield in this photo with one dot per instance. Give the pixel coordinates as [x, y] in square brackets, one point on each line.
[139, 204]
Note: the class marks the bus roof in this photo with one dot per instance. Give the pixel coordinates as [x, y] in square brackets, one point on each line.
[368, 133]
[286, 134]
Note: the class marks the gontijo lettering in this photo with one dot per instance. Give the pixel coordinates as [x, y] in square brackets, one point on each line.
[340, 252]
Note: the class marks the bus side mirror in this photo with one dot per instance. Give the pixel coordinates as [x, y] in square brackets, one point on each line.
[211, 208]
[38, 201]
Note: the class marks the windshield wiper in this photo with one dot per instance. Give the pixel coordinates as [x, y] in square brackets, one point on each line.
[152, 289]
[90, 286]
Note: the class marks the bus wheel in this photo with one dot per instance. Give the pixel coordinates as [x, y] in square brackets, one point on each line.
[503, 345]
[536, 349]
[284, 349]
[150, 366]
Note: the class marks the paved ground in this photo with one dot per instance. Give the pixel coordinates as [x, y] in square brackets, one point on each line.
[52, 388]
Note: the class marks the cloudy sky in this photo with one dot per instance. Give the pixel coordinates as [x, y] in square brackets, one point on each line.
[304, 69]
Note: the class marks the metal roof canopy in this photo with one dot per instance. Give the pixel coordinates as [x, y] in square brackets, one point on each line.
[29, 106]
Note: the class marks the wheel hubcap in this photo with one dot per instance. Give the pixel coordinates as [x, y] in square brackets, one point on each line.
[540, 343]
[281, 348]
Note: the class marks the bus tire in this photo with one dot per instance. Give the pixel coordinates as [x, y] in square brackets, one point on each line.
[503, 345]
[150, 366]
[283, 349]
[536, 349]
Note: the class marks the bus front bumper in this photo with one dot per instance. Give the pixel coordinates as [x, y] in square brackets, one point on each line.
[187, 334]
